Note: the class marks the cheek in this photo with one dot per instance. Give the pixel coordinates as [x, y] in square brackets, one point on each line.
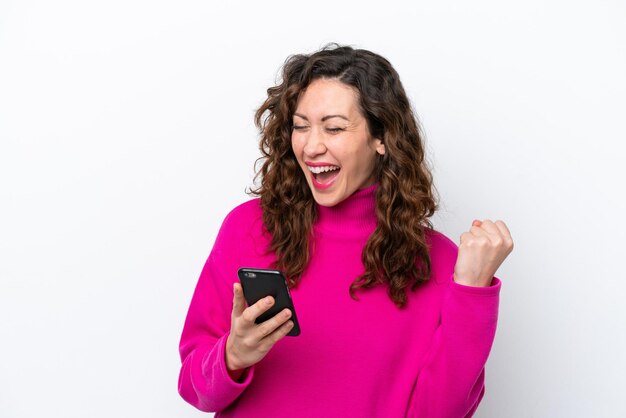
[366, 163]
[296, 143]
[297, 146]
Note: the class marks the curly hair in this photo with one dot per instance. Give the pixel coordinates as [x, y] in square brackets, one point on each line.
[396, 254]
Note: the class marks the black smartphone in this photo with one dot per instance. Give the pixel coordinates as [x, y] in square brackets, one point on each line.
[259, 283]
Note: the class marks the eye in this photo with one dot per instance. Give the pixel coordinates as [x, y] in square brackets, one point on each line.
[335, 130]
[298, 127]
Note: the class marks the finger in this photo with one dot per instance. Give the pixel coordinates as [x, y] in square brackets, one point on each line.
[476, 222]
[269, 326]
[492, 229]
[479, 231]
[503, 228]
[505, 233]
[489, 231]
[465, 237]
[278, 335]
[239, 303]
[253, 312]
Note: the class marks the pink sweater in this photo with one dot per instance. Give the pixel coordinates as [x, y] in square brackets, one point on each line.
[364, 358]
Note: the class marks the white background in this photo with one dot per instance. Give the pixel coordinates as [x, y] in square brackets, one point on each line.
[126, 136]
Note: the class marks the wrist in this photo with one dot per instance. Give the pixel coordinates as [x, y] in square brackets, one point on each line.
[234, 371]
[231, 363]
[480, 282]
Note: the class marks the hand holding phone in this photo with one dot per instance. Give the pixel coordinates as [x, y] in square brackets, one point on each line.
[260, 283]
[248, 342]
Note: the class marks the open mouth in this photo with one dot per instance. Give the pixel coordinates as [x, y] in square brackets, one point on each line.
[324, 176]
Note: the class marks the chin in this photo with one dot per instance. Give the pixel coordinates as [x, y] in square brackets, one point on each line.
[323, 201]
[327, 199]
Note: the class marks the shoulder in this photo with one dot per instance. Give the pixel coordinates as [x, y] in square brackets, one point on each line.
[244, 213]
[443, 254]
[240, 221]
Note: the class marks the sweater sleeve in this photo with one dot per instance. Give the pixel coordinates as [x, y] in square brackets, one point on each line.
[204, 381]
[451, 383]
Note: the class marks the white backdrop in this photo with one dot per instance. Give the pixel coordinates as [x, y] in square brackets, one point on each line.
[126, 136]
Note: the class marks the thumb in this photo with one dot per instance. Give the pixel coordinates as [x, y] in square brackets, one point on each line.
[239, 303]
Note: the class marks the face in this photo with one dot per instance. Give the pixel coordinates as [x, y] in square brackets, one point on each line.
[331, 141]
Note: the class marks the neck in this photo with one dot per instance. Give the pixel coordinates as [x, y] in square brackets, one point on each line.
[356, 215]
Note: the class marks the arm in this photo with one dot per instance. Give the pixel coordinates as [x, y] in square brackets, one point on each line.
[451, 383]
[204, 380]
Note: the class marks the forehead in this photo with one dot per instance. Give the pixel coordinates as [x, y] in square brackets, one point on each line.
[325, 96]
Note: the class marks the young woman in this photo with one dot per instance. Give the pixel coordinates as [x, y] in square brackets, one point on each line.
[396, 319]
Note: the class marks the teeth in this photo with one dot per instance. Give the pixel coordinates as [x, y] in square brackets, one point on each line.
[317, 170]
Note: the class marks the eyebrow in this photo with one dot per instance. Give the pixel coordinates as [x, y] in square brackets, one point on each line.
[324, 118]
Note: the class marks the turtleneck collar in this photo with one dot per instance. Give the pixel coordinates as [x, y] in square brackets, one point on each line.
[354, 216]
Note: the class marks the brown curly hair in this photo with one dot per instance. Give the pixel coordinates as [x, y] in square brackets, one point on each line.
[396, 253]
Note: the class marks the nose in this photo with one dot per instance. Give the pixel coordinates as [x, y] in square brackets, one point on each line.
[315, 143]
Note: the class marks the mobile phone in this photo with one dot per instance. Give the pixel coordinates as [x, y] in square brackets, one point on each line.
[259, 283]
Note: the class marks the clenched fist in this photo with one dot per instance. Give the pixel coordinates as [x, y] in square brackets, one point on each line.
[481, 252]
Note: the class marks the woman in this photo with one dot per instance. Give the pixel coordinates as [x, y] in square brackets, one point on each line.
[396, 320]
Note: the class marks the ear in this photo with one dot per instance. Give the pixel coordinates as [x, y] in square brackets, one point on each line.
[379, 146]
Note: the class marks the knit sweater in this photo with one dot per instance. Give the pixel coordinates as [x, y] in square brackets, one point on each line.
[354, 358]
